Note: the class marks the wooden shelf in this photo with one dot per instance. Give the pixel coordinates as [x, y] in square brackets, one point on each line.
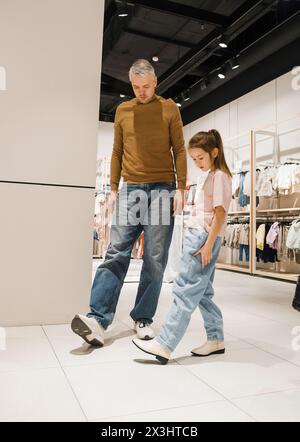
[233, 268]
[238, 213]
[293, 209]
[267, 274]
[278, 275]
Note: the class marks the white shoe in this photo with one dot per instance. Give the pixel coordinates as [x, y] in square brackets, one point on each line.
[89, 330]
[210, 348]
[144, 331]
[154, 348]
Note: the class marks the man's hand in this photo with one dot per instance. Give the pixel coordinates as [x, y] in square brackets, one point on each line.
[111, 202]
[179, 201]
[206, 255]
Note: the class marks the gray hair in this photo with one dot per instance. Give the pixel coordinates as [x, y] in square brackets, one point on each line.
[141, 68]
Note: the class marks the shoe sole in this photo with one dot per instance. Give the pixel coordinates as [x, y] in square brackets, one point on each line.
[219, 352]
[146, 338]
[82, 330]
[160, 359]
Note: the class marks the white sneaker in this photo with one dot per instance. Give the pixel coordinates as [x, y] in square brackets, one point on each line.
[144, 331]
[89, 330]
[154, 348]
[210, 348]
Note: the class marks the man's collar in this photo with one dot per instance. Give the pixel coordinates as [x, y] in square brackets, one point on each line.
[154, 98]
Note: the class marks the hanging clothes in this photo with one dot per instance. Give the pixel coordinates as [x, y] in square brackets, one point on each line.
[236, 185]
[244, 200]
[244, 242]
[293, 238]
[284, 179]
[265, 182]
[272, 237]
[265, 254]
[260, 237]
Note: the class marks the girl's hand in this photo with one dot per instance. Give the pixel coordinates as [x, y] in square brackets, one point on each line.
[206, 255]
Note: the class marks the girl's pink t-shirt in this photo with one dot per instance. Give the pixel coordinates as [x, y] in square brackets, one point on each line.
[213, 190]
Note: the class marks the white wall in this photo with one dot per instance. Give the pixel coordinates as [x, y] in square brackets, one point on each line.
[51, 51]
[265, 108]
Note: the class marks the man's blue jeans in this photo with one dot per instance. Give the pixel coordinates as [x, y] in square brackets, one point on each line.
[140, 207]
[193, 288]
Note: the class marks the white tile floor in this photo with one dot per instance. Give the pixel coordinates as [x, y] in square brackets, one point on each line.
[47, 374]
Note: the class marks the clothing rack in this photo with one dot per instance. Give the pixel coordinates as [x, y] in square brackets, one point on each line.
[282, 220]
[282, 215]
[255, 214]
[237, 222]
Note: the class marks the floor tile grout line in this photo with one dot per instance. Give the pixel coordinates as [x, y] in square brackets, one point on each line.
[66, 377]
[255, 347]
[153, 411]
[218, 392]
[260, 316]
[164, 409]
[93, 364]
[129, 360]
[237, 398]
[241, 310]
[248, 297]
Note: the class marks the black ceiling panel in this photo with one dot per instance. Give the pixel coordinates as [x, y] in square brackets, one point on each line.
[185, 35]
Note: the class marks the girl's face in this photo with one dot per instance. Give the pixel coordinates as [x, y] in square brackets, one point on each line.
[203, 159]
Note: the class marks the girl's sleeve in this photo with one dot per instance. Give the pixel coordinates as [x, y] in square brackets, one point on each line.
[222, 193]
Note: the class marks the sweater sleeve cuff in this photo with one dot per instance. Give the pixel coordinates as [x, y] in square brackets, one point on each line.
[114, 187]
[181, 185]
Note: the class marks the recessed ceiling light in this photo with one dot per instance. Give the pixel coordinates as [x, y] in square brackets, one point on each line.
[155, 58]
[234, 63]
[222, 74]
[224, 41]
[186, 96]
[122, 9]
[122, 96]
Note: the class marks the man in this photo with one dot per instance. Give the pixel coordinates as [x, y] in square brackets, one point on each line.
[148, 129]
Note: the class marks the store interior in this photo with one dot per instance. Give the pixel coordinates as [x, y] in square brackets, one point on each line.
[232, 65]
[263, 152]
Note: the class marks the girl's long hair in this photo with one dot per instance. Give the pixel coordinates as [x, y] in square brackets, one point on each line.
[208, 141]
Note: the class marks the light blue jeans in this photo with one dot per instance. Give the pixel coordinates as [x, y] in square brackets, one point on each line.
[193, 288]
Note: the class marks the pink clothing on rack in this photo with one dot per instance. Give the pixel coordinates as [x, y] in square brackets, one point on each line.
[272, 237]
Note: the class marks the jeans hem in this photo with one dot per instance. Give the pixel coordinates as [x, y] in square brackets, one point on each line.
[161, 342]
[90, 315]
[215, 338]
[149, 321]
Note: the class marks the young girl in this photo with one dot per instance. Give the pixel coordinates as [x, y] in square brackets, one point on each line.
[193, 286]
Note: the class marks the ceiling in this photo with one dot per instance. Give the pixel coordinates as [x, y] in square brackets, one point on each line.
[263, 35]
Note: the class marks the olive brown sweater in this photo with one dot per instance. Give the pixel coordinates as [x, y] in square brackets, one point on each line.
[148, 144]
